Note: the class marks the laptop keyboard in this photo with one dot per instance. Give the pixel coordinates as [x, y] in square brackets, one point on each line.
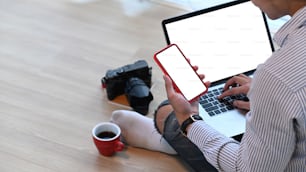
[213, 106]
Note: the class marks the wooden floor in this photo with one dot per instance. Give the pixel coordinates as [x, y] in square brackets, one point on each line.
[53, 54]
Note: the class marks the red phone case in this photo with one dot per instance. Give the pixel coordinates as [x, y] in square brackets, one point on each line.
[166, 73]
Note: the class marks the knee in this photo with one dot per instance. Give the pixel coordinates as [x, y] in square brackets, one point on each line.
[158, 123]
[160, 117]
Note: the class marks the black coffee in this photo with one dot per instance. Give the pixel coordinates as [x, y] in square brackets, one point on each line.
[106, 135]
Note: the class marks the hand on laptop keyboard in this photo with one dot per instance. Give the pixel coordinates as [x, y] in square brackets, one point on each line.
[237, 85]
[215, 106]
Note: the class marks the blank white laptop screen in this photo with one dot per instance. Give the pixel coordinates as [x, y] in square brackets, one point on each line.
[222, 42]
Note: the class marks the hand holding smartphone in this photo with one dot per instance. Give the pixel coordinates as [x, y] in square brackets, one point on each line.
[185, 79]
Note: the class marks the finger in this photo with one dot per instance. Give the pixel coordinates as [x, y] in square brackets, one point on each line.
[232, 91]
[195, 68]
[201, 76]
[234, 81]
[229, 83]
[243, 75]
[241, 79]
[247, 78]
[224, 94]
[207, 83]
[241, 104]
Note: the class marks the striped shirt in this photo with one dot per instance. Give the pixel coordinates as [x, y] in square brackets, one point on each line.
[275, 136]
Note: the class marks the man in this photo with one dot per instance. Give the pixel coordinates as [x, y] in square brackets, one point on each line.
[275, 136]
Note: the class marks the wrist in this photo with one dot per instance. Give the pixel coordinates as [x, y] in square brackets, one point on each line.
[186, 124]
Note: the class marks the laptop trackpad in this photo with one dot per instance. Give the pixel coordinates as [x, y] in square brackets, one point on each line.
[231, 123]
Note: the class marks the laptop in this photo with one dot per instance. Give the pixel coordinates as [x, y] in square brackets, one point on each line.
[223, 41]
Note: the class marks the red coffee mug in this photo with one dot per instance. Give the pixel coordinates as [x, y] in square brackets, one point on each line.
[106, 136]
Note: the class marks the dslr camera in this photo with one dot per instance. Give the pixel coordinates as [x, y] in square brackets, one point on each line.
[134, 80]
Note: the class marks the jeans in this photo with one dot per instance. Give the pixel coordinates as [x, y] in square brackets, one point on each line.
[187, 151]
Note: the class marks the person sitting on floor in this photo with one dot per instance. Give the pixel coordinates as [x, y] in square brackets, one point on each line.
[275, 136]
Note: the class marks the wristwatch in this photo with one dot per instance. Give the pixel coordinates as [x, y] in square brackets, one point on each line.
[190, 120]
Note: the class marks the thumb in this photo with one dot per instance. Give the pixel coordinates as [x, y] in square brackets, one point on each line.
[168, 84]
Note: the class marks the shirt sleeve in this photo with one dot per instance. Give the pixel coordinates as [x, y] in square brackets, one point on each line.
[219, 150]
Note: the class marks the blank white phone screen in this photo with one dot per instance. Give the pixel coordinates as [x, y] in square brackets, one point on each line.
[181, 72]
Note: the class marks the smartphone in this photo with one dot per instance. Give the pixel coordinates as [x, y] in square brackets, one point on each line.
[185, 79]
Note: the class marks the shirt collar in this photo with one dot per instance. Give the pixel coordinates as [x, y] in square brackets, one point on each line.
[297, 21]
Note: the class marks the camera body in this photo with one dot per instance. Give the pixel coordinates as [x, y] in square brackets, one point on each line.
[115, 80]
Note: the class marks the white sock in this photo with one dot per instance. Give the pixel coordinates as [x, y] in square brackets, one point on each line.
[139, 131]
